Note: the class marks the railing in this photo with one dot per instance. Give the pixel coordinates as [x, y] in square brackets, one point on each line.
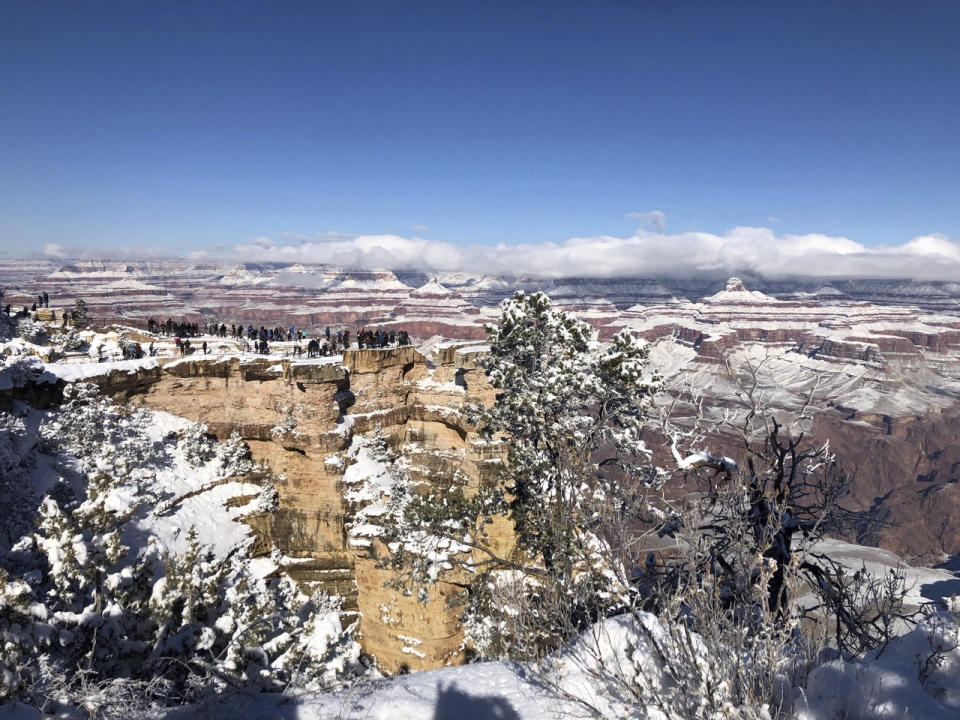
[107, 320]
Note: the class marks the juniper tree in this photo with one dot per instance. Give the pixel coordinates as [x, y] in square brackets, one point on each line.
[745, 531]
[568, 415]
[80, 313]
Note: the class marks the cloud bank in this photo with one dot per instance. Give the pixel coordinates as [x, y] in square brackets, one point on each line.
[751, 251]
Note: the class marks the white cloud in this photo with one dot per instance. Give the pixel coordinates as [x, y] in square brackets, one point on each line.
[744, 250]
[420, 228]
[933, 246]
[117, 252]
[741, 250]
[657, 219]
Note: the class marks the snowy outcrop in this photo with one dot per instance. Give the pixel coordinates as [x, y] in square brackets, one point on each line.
[736, 293]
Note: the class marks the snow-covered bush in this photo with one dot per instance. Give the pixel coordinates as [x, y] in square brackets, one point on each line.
[217, 619]
[31, 331]
[19, 371]
[84, 589]
[285, 427]
[87, 616]
[233, 456]
[639, 666]
[94, 611]
[289, 423]
[99, 433]
[195, 445]
[71, 340]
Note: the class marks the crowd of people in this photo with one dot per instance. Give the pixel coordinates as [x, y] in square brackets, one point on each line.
[128, 351]
[330, 342]
[43, 301]
[261, 338]
[381, 338]
[172, 328]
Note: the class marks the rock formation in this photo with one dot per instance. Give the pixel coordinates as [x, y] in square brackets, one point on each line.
[300, 419]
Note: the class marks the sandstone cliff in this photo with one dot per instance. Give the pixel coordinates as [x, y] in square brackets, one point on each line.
[299, 418]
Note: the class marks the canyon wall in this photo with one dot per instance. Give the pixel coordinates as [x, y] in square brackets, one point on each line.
[300, 419]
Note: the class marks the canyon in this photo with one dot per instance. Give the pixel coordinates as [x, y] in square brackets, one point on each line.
[457, 303]
[871, 366]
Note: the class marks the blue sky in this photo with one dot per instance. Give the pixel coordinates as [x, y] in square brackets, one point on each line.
[187, 125]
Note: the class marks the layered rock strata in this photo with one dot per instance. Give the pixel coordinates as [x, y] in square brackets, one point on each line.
[851, 333]
[300, 418]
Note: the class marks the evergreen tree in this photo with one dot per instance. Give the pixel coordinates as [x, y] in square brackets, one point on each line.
[80, 314]
[569, 415]
[195, 444]
[94, 614]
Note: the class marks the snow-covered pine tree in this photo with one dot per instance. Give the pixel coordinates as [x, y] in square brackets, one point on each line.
[17, 495]
[95, 588]
[80, 314]
[102, 435]
[85, 604]
[195, 445]
[234, 456]
[570, 414]
[16, 639]
[218, 623]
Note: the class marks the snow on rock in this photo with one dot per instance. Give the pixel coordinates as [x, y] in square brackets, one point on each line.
[74, 372]
[432, 289]
[736, 293]
[245, 274]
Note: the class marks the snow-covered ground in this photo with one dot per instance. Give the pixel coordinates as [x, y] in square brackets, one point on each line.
[924, 585]
[612, 672]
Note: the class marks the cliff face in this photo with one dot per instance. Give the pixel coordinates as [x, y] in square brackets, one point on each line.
[300, 418]
[907, 471]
